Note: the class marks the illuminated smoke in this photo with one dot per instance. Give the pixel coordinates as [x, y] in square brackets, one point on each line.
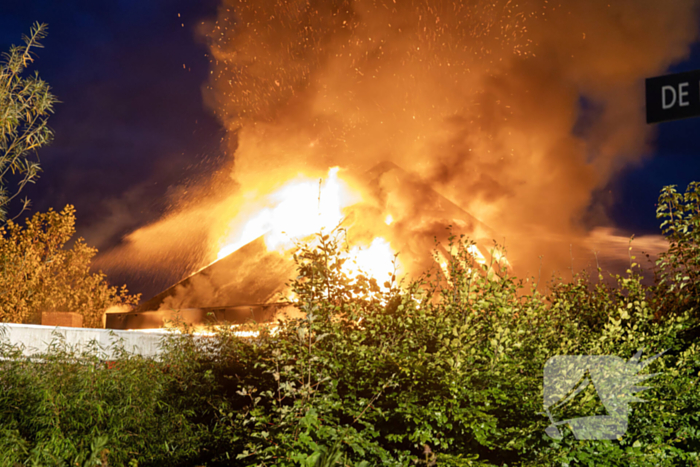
[481, 99]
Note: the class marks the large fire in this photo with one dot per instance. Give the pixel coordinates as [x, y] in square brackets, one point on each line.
[298, 209]
[302, 208]
[512, 114]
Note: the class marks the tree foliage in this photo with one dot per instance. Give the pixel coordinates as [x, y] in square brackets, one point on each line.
[38, 272]
[26, 104]
[678, 274]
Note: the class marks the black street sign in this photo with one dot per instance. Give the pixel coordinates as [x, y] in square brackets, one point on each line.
[672, 97]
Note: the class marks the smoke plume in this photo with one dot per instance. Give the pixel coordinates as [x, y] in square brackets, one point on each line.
[481, 99]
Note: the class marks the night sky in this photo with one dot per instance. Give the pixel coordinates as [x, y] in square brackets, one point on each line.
[132, 128]
[674, 160]
[131, 124]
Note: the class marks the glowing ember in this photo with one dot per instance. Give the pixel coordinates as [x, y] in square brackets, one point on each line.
[209, 331]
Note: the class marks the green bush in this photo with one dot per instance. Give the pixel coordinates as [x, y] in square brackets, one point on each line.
[446, 370]
[38, 272]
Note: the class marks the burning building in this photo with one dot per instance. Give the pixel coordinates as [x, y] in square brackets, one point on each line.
[515, 112]
[249, 276]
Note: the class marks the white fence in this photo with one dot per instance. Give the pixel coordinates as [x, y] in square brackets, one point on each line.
[35, 339]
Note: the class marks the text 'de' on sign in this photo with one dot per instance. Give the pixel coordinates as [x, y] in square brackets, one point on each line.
[672, 97]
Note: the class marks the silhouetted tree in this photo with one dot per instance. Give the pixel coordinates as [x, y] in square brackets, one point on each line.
[26, 103]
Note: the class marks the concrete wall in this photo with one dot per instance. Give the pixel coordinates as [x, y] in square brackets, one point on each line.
[34, 338]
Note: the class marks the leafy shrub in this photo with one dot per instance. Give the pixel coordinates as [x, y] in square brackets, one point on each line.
[39, 273]
[678, 276]
[68, 408]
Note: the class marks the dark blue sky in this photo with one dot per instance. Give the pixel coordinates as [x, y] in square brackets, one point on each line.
[132, 125]
[675, 160]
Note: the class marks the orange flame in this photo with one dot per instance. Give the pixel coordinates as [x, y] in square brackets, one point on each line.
[377, 260]
[299, 209]
[302, 208]
[210, 331]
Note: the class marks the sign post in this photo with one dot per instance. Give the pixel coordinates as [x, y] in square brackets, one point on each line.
[673, 97]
